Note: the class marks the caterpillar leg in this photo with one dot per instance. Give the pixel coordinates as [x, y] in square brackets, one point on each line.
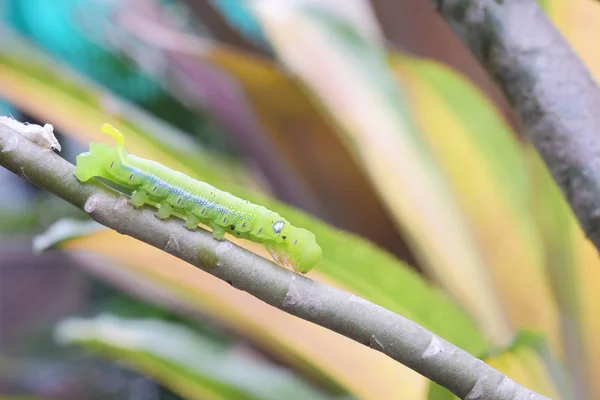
[218, 232]
[272, 249]
[191, 222]
[272, 252]
[139, 198]
[164, 211]
[278, 252]
[283, 255]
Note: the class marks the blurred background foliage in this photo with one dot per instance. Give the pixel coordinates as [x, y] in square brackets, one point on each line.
[367, 122]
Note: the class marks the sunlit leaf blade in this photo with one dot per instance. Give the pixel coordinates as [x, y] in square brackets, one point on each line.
[303, 138]
[528, 360]
[354, 84]
[574, 272]
[316, 352]
[273, 121]
[298, 138]
[189, 364]
[525, 363]
[483, 162]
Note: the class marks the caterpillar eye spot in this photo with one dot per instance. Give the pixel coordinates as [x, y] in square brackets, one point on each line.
[232, 227]
[131, 177]
[112, 164]
[179, 200]
[278, 226]
[243, 225]
[225, 220]
[284, 237]
[296, 242]
[260, 230]
[203, 210]
[154, 188]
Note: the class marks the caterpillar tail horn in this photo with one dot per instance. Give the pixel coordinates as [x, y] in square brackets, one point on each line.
[115, 133]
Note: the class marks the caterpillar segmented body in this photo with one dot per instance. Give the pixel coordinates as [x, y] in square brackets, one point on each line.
[175, 193]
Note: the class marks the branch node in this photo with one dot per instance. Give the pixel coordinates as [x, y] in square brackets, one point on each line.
[122, 202]
[434, 348]
[224, 247]
[91, 204]
[478, 390]
[172, 245]
[292, 298]
[23, 174]
[506, 384]
[375, 344]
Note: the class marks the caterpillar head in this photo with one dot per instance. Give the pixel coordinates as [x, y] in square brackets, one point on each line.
[90, 164]
[94, 162]
[303, 252]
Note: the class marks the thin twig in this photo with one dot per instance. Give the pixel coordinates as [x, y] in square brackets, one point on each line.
[554, 95]
[347, 314]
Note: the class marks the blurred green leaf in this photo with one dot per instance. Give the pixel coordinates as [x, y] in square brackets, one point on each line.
[62, 230]
[544, 4]
[188, 364]
[437, 392]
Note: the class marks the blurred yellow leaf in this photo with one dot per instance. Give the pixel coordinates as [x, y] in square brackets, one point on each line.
[589, 269]
[574, 270]
[525, 366]
[354, 85]
[578, 22]
[483, 163]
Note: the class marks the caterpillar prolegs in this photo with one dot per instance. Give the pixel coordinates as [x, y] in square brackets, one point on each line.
[175, 193]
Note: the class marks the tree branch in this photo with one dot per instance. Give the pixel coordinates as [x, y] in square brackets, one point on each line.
[347, 314]
[556, 99]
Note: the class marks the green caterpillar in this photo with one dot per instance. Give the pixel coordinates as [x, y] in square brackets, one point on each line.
[175, 193]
